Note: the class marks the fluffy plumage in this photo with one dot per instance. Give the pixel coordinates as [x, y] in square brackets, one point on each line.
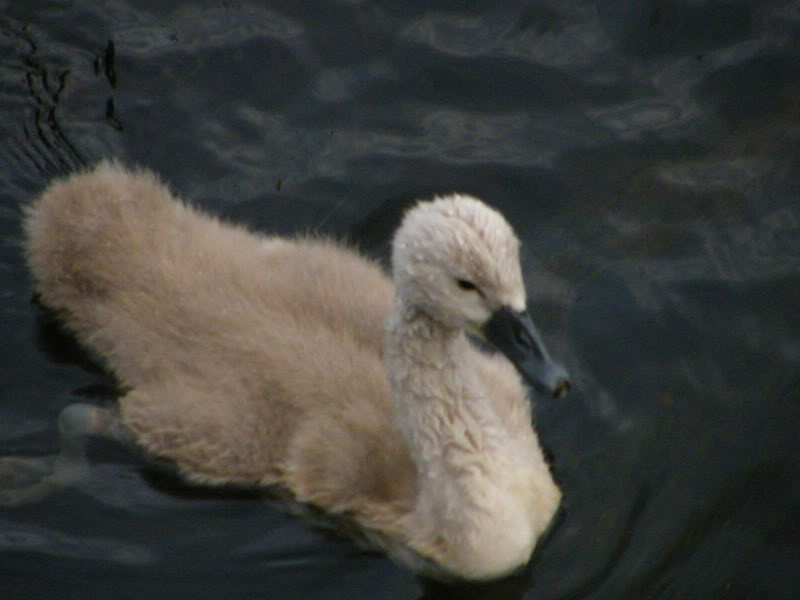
[262, 361]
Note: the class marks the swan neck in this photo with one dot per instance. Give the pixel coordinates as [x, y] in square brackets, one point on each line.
[478, 482]
[434, 390]
[419, 338]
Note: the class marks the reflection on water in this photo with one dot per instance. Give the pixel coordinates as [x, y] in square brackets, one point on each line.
[33, 539]
[647, 154]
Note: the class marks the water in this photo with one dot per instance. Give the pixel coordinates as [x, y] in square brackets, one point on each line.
[647, 154]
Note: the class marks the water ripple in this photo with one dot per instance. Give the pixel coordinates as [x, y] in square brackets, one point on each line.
[18, 537]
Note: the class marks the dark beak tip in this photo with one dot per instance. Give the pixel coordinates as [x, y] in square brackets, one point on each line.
[561, 389]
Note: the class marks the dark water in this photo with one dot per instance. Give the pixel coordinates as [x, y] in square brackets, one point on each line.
[647, 153]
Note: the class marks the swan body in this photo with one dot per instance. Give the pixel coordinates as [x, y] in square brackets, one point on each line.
[255, 360]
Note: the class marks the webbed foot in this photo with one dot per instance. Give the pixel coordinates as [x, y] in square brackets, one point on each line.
[28, 479]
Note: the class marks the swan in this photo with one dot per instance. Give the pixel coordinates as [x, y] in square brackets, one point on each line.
[297, 365]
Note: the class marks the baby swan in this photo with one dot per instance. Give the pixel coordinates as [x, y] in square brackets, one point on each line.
[295, 364]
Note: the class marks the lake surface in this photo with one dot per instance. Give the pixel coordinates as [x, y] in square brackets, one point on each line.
[648, 154]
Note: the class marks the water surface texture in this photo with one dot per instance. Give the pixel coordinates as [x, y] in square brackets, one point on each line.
[648, 154]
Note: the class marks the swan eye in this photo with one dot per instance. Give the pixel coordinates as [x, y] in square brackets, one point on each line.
[466, 285]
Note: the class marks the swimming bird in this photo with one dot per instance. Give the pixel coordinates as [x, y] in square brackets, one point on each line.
[296, 364]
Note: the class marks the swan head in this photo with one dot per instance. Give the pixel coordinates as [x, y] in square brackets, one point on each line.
[457, 260]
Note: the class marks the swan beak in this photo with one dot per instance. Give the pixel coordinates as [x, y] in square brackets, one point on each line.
[514, 334]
